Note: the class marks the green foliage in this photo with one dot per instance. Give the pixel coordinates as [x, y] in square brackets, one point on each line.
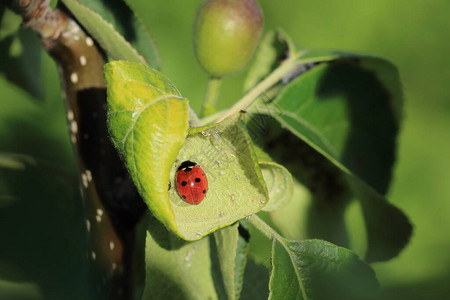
[232, 268]
[21, 52]
[341, 109]
[98, 23]
[147, 117]
[144, 106]
[348, 115]
[279, 183]
[315, 269]
[176, 269]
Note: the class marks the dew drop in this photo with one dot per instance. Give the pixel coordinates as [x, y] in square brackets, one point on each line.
[232, 197]
[247, 217]
[218, 162]
[221, 172]
[216, 134]
[238, 177]
[199, 234]
[263, 201]
[188, 256]
[221, 214]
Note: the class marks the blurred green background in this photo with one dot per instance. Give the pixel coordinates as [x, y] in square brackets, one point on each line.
[413, 34]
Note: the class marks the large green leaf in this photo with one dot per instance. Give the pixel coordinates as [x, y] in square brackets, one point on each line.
[315, 269]
[128, 25]
[148, 121]
[316, 207]
[348, 110]
[236, 186]
[232, 255]
[256, 283]
[241, 260]
[387, 226]
[176, 269]
[21, 55]
[348, 114]
[104, 33]
[226, 242]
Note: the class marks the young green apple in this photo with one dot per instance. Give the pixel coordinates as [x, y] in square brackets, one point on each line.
[226, 34]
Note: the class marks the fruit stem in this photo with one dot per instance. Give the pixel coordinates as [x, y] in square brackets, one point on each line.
[212, 92]
[263, 86]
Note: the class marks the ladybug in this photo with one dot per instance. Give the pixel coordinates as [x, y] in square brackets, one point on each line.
[191, 182]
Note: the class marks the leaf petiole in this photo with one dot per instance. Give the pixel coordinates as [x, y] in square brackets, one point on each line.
[264, 85]
[265, 229]
[212, 92]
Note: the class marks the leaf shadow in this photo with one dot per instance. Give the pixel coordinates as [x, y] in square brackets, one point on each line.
[369, 150]
[21, 61]
[372, 118]
[330, 193]
[216, 271]
[42, 232]
[165, 238]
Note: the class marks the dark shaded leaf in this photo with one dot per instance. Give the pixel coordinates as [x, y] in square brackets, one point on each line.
[315, 269]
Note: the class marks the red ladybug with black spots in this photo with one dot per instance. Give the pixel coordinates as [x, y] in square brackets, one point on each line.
[191, 183]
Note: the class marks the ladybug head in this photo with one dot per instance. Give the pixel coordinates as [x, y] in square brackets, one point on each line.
[186, 164]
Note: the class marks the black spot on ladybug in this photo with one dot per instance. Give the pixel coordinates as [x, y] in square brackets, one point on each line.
[184, 197]
[204, 192]
[197, 179]
[184, 183]
[188, 169]
[186, 164]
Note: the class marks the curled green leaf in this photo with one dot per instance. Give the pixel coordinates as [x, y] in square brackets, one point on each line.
[236, 187]
[148, 122]
[279, 183]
